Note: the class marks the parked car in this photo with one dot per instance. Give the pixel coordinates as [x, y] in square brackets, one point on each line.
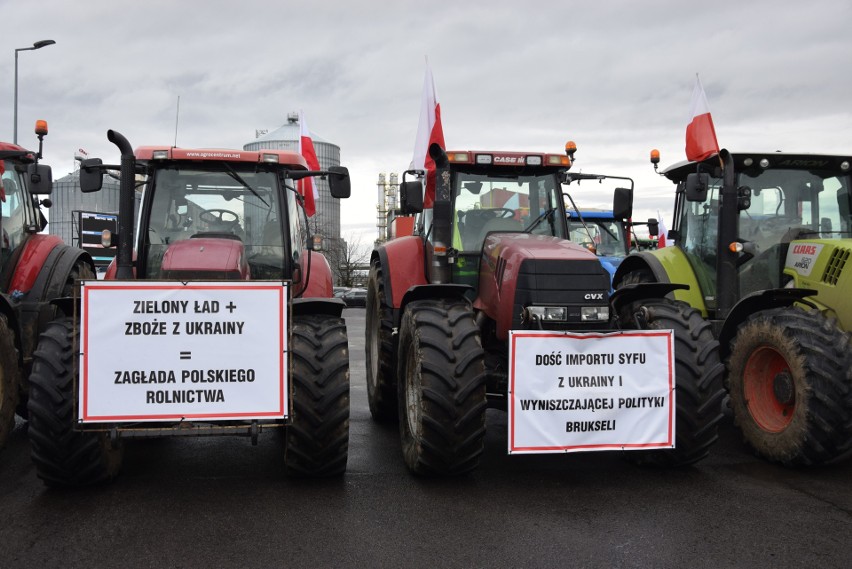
[355, 297]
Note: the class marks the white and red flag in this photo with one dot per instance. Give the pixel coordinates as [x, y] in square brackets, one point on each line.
[429, 131]
[307, 186]
[701, 140]
[661, 232]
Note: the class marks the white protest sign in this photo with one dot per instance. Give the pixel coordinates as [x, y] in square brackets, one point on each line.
[162, 351]
[571, 392]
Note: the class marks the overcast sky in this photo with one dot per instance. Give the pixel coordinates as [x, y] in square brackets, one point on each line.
[614, 76]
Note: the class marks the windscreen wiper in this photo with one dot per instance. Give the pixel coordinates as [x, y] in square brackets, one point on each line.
[233, 173]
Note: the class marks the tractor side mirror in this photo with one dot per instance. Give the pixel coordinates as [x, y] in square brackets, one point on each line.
[696, 187]
[91, 176]
[411, 197]
[41, 178]
[653, 227]
[622, 203]
[339, 183]
[743, 198]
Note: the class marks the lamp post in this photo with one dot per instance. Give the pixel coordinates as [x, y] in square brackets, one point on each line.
[37, 45]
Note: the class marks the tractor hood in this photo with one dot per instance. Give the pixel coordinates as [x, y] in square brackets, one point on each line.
[206, 258]
[518, 270]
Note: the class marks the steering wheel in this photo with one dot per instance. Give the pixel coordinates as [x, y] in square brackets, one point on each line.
[491, 213]
[220, 218]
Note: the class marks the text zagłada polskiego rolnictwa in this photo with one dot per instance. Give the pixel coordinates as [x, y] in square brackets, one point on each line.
[157, 327]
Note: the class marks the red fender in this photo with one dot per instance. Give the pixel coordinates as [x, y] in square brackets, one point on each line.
[320, 283]
[36, 248]
[403, 266]
[112, 268]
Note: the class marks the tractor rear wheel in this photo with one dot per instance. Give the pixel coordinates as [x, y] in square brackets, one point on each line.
[381, 376]
[698, 379]
[317, 440]
[789, 381]
[10, 380]
[441, 397]
[63, 455]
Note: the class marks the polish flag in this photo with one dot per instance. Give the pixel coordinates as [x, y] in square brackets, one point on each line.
[701, 140]
[661, 232]
[307, 186]
[429, 131]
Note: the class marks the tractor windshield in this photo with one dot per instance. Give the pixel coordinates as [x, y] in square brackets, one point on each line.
[485, 203]
[221, 203]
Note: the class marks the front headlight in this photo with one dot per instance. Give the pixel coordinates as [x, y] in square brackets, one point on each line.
[547, 313]
[594, 313]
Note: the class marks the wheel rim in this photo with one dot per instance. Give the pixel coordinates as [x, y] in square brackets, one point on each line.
[769, 389]
[373, 344]
[413, 397]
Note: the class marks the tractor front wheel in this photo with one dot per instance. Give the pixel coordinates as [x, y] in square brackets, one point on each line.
[698, 379]
[789, 384]
[10, 380]
[317, 439]
[441, 397]
[381, 376]
[64, 455]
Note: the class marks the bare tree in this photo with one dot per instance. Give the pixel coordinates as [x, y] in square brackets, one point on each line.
[350, 261]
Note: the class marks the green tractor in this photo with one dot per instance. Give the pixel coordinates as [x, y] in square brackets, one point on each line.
[762, 241]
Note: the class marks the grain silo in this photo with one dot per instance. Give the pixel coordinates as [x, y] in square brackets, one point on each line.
[325, 224]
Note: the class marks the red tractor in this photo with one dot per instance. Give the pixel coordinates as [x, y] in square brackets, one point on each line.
[220, 320]
[35, 270]
[490, 259]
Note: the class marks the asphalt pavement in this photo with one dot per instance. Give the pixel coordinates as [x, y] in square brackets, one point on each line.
[221, 502]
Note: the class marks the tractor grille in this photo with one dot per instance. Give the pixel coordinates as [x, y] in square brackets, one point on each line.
[835, 266]
[569, 283]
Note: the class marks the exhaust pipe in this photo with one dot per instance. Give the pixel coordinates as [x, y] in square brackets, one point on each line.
[126, 197]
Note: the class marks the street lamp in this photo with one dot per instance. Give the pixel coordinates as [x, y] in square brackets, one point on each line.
[37, 45]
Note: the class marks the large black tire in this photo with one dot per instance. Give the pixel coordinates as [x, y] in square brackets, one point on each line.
[441, 396]
[381, 367]
[64, 456]
[637, 276]
[789, 381]
[317, 440]
[10, 380]
[698, 379]
[80, 270]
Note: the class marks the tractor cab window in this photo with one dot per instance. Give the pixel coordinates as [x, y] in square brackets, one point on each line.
[15, 215]
[215, 202]
[798, 203]
[603, 236]
[788, 205]
[488, 203]
[298, 236]
[699, 226]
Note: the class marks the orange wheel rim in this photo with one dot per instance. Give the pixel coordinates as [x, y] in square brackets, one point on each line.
[769, 389]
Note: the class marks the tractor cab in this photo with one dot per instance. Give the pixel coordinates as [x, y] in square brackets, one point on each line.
[487, 200]
[783, 201]
[208, 214]
[21, 178]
